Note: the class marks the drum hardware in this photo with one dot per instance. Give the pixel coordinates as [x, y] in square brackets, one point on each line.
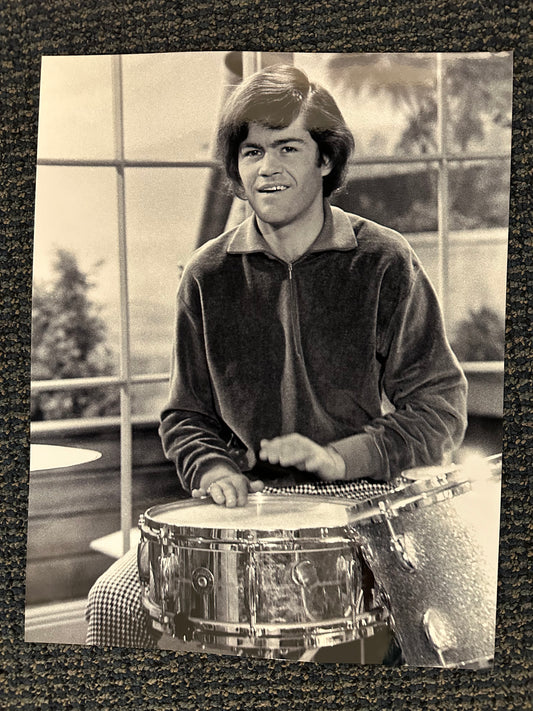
[163, 536]
[252, 590]
[416, 495]
[359, 602]
[382, 599]
[356, 574]
[401, 544]
[203, 580]
[169, 567]
[473, 468]
[143, 562]
[182, 626]
[356, 590]
[439, 633]
[429, 472]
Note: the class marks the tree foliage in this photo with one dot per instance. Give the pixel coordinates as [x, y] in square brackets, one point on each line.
[480, 336]
[477, 111]
[69, 340]
[477, 90]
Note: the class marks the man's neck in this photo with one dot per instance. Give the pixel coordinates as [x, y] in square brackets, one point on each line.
[290, 242]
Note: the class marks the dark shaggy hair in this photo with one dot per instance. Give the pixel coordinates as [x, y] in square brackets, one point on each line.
[275, 97]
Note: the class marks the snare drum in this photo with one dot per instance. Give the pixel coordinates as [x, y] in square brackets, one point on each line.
[274, 578]
[433, 547]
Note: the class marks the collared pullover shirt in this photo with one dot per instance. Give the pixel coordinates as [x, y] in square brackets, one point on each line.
[345, 345]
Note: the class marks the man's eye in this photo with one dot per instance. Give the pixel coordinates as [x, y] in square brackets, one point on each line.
[251, 153]
[289, 149]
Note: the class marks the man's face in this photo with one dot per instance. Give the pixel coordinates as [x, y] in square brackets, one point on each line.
[281, 172]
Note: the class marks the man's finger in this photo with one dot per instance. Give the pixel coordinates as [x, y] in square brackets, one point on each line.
[256, 485]
[270, 448]
[230, 493]
[296, 451]
[241, 492]
[198, 493]
[216, 493]
[270, 453]
[275, 449]
[295, 457]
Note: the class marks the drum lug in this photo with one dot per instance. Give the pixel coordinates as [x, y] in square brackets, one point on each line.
[251, 572]
[164, 535]
[401, 544]
[143, 561]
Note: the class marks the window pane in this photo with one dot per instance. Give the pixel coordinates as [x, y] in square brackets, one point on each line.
[171, 102]
[76, 403]
[148, 399]
[75, 110]
[477, 294]
[164, 208]
[75, 277]
[403, 197]
[479, 194]
[479, 199]
[478, 89]
[388, 100]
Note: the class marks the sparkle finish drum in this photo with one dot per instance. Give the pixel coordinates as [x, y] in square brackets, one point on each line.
[275, 578]
[433, 548]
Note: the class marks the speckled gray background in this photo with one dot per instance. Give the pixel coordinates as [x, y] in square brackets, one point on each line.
[70, 677]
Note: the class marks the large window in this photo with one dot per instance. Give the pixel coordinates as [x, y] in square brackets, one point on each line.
[126, 177]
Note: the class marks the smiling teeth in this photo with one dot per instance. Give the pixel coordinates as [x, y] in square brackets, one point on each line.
[274, 189]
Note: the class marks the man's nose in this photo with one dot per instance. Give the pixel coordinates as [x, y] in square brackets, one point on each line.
[269, 164]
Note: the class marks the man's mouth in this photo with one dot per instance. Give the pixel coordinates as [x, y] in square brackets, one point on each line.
[272, 188]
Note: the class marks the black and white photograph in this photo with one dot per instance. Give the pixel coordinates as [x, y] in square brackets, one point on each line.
[267, 356]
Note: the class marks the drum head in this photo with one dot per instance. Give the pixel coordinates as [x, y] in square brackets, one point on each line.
[264, 514]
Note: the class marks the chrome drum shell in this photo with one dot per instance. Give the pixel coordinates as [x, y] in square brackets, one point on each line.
[268, 592]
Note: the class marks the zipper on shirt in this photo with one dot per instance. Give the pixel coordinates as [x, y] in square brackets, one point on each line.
[295, 321]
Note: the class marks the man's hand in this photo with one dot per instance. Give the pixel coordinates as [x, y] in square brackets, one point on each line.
[295, 450]
[226, 487]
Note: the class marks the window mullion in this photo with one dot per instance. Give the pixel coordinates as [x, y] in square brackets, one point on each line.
[126, 513]
[443, 286]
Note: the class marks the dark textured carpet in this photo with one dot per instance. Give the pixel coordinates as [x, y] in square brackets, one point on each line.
[62, 677]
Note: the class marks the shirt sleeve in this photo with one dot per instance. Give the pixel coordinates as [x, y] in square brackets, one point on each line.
[423, 380]
[192, 435]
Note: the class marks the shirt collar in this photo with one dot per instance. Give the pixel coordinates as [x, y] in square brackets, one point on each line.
[337, 233]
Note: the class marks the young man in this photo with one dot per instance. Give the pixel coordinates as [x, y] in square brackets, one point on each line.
[293, 326]
[293, 329]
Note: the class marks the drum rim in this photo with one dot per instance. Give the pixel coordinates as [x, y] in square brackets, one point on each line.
[417, 494]
[243, 533]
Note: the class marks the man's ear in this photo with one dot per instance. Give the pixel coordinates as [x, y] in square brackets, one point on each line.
[238, 190]
[325, 165]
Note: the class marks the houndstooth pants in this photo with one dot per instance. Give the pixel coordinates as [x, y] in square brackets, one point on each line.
[115, 614]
